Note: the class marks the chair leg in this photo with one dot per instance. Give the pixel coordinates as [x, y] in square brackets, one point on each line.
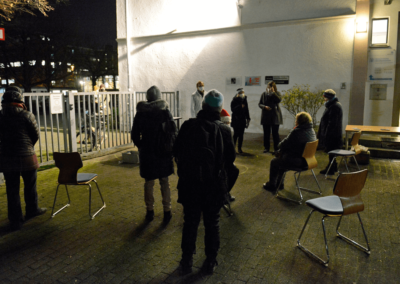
[90, 201]
[330, 165]
[310, 190]
[300, 246]
[367, 249]
[55, 198]
[355, 160]
[287, 198]
[345, 162]
[227, 206]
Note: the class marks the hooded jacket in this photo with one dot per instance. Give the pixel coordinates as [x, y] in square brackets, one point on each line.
[330, 128]
[146, 125]
[19, 132]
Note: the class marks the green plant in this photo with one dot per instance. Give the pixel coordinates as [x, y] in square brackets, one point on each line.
[300, 98]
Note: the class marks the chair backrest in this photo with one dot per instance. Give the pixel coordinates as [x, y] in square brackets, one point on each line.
[354, 142]
[309, 154]
[348, 187]
[69, 164]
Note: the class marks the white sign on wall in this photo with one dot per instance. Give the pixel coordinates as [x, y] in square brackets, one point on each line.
[381, 65]
[234, 81]
[56, 103]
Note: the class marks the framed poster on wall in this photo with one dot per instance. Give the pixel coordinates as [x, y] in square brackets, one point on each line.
[253, 81]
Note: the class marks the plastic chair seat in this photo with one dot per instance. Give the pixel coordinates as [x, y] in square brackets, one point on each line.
[340, 152]
[86, 177]
[328, 205]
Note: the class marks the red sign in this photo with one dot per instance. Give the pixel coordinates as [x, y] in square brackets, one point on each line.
[2, 34]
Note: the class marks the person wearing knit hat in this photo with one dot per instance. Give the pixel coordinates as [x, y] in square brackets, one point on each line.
[225, 117]
[240, 117]
[150, 122]
[201, 143]
[19, 133]
[330, 128]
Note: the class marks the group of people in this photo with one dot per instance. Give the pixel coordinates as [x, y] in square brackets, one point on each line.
[204, 151]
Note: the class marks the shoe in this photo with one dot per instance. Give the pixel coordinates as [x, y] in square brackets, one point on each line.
[265, 151]
[240, 151]
[185, 265]
[331, 171]
[209, 266]
[232, 198]
[39, 211]
[167, 216]
[282, 186]
[269, 187]
[150, 215]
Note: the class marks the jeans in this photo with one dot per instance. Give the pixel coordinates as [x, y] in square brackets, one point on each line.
[275, 135]
[192, 217]
[13, 198]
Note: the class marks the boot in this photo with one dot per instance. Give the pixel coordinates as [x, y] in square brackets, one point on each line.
[209, 266]
[332, 170]
[185, 265]
[150, 215]
[167, 217]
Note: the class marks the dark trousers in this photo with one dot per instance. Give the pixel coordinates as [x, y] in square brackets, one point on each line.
[238, 133]
[278, 165]
[13, 199]
[267, 134]
[192, 217]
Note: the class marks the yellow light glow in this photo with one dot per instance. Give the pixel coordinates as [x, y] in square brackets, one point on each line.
[361, 27]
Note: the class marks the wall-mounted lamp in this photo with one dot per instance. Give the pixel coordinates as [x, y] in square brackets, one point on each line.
[361, 27]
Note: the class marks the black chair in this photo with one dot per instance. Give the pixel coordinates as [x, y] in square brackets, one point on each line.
[69, 164]
[345, 201]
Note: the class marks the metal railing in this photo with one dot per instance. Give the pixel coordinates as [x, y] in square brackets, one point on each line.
[89, 121]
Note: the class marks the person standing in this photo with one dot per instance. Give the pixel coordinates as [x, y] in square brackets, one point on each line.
[330, 129]
[240, 117]
[271, 116]
[19, 133]
[197, 98]
[203, 150]
[154, 162]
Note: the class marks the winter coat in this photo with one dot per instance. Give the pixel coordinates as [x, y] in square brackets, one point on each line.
[189, 192]
[330, 128]
[297, 139]
[196, 103]
[146, 126]
[19, 132]
[274, 115]
[239, 114]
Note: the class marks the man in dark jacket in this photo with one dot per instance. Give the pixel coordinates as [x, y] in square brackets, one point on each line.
[205, 196]
[330, 129]
[291, 150]
[154, 163]
[18, 135]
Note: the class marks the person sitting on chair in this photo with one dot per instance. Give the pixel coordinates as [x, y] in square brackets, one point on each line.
[291, 150]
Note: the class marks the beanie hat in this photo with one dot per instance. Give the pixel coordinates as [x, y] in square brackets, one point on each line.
[213, 101]
[153, 94]
[13, 95]
[225, 117]
[239, 90]
[329, 94]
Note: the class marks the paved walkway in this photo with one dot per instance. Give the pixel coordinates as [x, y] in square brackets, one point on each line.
[258, 243]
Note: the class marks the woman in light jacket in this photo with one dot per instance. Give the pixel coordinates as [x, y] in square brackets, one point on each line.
[271, 116]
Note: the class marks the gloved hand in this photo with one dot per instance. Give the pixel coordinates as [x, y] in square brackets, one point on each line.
[247, 123]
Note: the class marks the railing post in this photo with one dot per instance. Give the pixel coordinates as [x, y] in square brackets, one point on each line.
[177, 104]
[71, 122]
[64, 120]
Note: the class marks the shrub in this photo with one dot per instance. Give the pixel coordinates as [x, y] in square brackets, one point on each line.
[300, 98]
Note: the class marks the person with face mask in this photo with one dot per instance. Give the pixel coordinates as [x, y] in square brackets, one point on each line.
[197, 99]
[271, 116]
[240, 117]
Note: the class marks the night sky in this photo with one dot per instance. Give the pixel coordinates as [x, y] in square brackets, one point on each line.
[93, 19]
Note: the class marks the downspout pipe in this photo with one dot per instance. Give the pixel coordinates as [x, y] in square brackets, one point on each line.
[128, 45]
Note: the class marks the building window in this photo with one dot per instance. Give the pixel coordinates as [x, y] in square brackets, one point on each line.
[380, 32]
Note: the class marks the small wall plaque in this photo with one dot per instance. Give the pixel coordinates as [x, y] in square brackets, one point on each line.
[282, 80]
[378, 92]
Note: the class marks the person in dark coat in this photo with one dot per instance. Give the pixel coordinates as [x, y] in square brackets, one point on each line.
[146, 127]
[205, 197]
[291, 150]
[271, 116]
[240, 117]
[330, 129]
[19, 133]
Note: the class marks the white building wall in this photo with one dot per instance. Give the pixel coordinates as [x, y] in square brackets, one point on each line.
[318, 53]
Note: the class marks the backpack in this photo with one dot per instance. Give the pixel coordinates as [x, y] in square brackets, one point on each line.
[166, 135]
[200, 157]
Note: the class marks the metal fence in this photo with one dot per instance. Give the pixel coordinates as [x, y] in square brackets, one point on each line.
[89, 121]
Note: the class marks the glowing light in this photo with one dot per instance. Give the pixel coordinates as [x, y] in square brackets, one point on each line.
[361, 27]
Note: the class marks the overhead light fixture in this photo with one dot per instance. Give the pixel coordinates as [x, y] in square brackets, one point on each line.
[361, 27]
